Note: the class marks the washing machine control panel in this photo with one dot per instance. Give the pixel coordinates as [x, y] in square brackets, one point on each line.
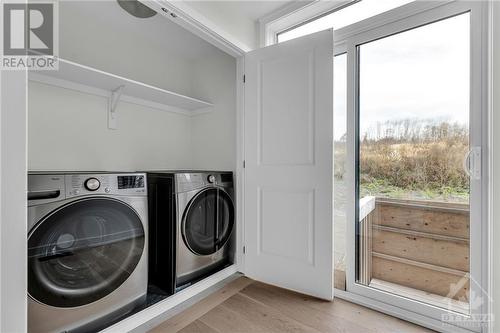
[112, 184]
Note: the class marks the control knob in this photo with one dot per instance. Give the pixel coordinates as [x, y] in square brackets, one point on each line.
[211, 179]
[92, 184]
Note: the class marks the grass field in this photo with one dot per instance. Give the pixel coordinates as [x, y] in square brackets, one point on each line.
[426, 167]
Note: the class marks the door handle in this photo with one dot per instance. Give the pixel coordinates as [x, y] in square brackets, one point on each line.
[466, 163]
[40, 195]
[472, 163]
[55, 256]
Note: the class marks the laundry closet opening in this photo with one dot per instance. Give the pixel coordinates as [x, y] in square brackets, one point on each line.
[131, 153]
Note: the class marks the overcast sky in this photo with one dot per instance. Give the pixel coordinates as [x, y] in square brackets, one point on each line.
[422, 73]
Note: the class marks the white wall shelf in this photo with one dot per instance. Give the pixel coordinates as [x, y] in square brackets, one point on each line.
[93, 81]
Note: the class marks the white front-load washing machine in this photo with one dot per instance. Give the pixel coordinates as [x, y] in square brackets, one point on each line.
[205, 222]
[87, 249]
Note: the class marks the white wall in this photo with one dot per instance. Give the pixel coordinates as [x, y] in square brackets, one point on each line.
[496, 164]
[102, 35]
[67, 130]
[214, 134]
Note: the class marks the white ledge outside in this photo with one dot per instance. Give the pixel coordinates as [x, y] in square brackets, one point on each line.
[366, 206]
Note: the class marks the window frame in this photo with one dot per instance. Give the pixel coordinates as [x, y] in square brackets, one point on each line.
[426, 17]
[357, 35]
[295, 15]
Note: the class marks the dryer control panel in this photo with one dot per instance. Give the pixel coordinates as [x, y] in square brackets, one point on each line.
[193, 181]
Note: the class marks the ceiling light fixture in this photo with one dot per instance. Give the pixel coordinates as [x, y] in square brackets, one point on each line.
[136, 8]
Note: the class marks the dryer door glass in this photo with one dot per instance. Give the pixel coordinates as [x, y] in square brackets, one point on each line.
[83, 251]
[208, 221]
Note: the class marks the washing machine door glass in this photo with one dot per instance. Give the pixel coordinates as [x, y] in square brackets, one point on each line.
[208, 221]
[83, 251]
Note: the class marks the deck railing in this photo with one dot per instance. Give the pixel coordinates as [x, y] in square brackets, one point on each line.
[416, 244]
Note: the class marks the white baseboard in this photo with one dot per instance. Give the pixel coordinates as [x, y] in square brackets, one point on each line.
[397, 312]
[161, 311]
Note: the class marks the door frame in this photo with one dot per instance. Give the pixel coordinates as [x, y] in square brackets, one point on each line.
[13, 201]
[479, 28]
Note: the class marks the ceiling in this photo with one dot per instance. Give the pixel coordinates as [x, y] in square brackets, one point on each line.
[110, 19]
[239, 19]
[252, 10]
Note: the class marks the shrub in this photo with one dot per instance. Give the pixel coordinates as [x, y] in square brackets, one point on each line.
[411, 160]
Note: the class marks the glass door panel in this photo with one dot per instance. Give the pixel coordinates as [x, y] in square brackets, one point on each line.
[413, 192]
[339, 168]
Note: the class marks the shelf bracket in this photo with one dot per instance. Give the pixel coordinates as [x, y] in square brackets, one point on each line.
[114, 98]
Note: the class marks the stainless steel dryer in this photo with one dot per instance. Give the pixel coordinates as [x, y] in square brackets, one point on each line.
[205, 221]
[87, 249]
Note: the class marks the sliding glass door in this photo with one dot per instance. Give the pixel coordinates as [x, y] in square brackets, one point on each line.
[415, 137]
[413, 190]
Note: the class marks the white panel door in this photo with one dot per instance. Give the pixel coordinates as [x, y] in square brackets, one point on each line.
[288, 174]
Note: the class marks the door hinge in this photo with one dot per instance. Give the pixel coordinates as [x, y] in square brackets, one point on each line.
[244, 250]
[244, 164]
[244, 78]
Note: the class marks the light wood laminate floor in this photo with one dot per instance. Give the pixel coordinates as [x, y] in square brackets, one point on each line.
[248, 306]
